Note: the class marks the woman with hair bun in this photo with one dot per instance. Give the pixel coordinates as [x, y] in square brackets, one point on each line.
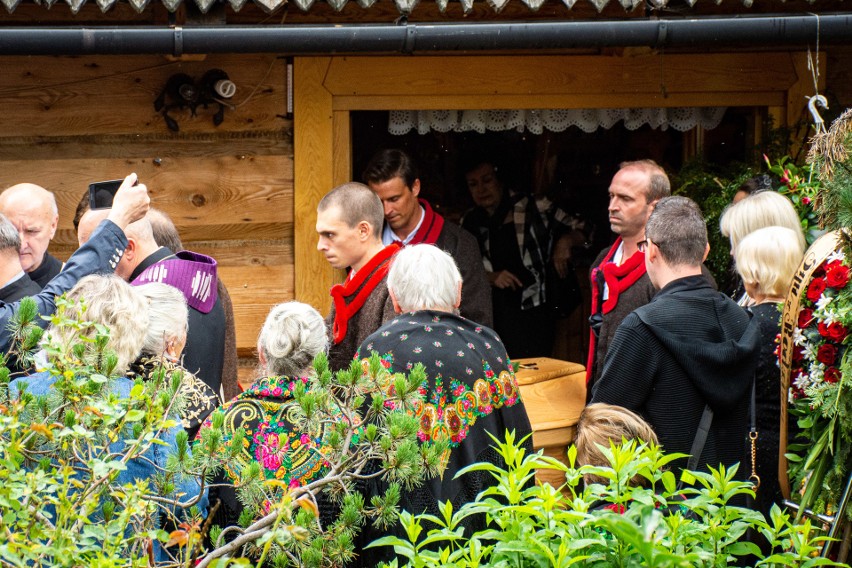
[292, 335]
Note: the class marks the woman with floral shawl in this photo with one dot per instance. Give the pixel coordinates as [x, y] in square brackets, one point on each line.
[470, 393]
[267, 416]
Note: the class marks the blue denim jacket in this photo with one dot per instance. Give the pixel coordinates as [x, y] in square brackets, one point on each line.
[137, 469]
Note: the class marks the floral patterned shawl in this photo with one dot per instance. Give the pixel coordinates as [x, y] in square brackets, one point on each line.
[270, 415]
[198, 399]
[470, 392]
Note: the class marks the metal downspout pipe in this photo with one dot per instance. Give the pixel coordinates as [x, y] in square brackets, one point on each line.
[706, 32]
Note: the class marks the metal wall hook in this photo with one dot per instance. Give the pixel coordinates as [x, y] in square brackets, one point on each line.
[813, 102]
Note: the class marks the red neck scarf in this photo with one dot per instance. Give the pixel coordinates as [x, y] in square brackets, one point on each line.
[618, 278]
[430, 228]
[351, 295]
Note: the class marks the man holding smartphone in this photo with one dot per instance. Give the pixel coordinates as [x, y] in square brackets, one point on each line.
[194, 274]
[32, 210]
[101, 254]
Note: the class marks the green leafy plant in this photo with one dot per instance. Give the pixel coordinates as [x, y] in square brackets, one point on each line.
[601, 525]
[61, 454]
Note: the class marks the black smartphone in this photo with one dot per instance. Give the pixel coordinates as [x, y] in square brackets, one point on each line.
[101, 193]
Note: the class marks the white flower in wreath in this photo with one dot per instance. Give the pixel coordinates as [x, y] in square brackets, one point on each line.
[810, 352]
[836, 255]
[799, 337]
[802, 382]
[817, 373]
[822, 303]
[830, 316]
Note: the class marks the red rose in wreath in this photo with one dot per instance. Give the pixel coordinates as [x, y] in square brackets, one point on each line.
[837, 276]
[798, 354]
[815, 289]
[837, 331]
[832, 375]
[827, 354]
[806, 317]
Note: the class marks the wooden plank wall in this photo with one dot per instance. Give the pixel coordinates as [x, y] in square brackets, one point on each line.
[69, 121]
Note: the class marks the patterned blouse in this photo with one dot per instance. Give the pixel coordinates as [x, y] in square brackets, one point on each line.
[269, 415]
[198, 398]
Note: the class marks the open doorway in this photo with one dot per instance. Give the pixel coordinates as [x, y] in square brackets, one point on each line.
[572, 168]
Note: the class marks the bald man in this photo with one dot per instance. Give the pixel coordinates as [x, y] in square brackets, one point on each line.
[194, 274]
[32, 210]
[14, 281]
[98, 256]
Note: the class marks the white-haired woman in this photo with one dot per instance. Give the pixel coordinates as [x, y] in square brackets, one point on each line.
[767, 260]
[292, 335]
[470, 391]
[165, 339]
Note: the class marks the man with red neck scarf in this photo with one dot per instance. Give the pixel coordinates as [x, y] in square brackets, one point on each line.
[349, 227]
[619, 281]
[410, 220]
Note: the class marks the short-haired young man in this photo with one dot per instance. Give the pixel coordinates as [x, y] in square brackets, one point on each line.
[349, 225]
[690, 349]
[410, 220]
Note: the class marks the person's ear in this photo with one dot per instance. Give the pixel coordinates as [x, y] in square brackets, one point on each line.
[364, 230]
[396, 307]
[53, 226]
[131, 250]
[261, 358]
[652, 251]
[458, 297]
[706, 252]
[415, 187]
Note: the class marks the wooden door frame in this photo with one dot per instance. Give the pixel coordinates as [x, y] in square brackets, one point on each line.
[327, 89]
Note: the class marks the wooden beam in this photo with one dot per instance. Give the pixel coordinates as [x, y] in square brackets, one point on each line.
[607, 100]
[313, 141]
[645, 73]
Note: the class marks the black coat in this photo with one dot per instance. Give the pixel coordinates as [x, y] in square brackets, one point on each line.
[689, 347]
[204, 353]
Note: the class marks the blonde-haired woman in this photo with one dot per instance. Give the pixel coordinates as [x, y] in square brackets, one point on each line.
[758, 210]
[598, 425]
[767, 260]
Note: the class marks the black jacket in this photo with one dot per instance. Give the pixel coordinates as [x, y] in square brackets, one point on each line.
[689, 347]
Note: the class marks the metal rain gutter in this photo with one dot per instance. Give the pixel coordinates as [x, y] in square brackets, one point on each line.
[708, 32]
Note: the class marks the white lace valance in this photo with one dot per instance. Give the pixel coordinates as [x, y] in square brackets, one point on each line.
[554, 120]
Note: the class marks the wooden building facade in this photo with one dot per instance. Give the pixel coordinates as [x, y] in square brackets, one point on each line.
[245, 191]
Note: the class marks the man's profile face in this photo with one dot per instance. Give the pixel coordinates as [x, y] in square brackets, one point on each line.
[342, 245]
[484, 187]
[36, 223]
[401, 208]
[628, 206]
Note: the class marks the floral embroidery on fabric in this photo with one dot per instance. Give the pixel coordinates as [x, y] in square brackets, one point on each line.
[268, 414]
[453, 413]
[461, 387]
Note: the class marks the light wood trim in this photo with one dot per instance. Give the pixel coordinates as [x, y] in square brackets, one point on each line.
[313, 142]
[568, 100]
[342, 147]
[533, 76]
